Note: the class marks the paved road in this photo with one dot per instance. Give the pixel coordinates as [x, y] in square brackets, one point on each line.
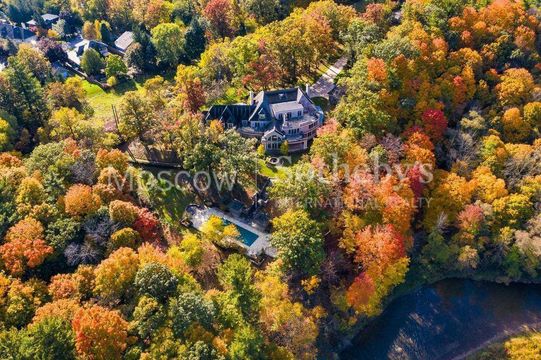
[325, 83]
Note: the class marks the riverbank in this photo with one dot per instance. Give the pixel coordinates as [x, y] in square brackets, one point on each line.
[494, 347]
[450, 319]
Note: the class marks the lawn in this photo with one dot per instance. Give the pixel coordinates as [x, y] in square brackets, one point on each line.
[102, 100]
[278, 171]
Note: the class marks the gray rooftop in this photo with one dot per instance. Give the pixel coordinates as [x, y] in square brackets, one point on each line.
[286, 106]
[124, 40]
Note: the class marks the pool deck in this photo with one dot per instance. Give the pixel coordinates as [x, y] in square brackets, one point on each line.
[261, 244]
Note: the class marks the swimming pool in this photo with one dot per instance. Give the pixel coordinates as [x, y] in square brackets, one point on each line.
[247, 237]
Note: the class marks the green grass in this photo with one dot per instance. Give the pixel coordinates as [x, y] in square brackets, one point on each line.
[278, 171]
[102, 100]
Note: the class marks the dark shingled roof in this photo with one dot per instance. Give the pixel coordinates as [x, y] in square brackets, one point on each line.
[235, 114]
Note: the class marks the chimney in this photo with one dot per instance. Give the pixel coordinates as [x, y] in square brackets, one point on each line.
[307, 90]
[251, 100]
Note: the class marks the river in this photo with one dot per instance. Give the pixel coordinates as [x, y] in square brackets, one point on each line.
[447, 320]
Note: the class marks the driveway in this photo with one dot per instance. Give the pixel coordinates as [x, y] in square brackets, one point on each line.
[325, 83]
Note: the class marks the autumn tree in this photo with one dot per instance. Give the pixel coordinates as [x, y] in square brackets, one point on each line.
[136, 116]
[24, 247]
[116, 274]
[99, 333]
[219, 15]
[191, 93]
[80, 201]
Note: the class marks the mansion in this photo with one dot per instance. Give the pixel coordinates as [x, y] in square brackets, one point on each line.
[273, 117]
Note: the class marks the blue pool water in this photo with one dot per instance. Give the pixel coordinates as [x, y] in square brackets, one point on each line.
[247, 237]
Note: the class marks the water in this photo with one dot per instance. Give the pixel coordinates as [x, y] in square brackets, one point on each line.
[246, 235]
[447, 320]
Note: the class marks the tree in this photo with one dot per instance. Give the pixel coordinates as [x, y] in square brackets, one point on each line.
[136, 116]
[49, 339]
[219, 15]
[80, 201]
[217, 232]
[30, 193]
[377, 247]
[24, 246]
[112, 158]
[104, 32]
[115, 66]
[247, 344]
[89, 31]
[290, 323]
[7, 134]
[515, 128]
[148, 317]
[91, 62]
[264, 11]
[236, 276]
[468, 259]
[361, 291]
[142, 53]
[116, 274]
[195, 39]
[515, 87]
[191, 250]
[303, 188]
[69, 94]
[157, 281]
[64, 286]
[434, 124]
[125, 237]
[512, 210]
[189, 308]
[23, 96]
[299, 242]
[532, 114]
[123, 212]
[284, 148]
[34, 61]
[70, 123]
[52, 49]
[148, 226]
[190, 88]
[168, 39]
[100, 334]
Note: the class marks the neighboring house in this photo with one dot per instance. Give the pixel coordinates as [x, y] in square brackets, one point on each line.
[124, 41]
[48, 20]
[273, 117]
[16, 34]
[79, 47]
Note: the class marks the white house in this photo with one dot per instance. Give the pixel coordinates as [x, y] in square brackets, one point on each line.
[273, 117]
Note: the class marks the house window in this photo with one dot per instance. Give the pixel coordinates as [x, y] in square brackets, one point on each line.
[288, 115]
[261, 116]
[299, 114]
